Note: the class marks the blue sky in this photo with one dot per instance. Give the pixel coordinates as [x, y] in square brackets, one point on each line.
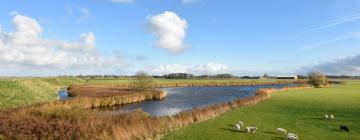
[244, 37]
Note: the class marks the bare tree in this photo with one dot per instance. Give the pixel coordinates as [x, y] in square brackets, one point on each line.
[317, 79]
[143, 82]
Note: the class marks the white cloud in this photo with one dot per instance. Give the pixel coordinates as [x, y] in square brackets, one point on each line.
[212, 68]
[122, 1]
[346, 66]
[25, 49]
[170, 68]
[209, 68]
[170, 29]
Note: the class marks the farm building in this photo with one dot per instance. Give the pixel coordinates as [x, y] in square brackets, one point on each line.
[287, 77]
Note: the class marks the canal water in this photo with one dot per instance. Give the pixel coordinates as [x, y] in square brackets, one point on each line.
[180, 99]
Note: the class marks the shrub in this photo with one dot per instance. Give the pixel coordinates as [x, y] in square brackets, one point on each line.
[317, 79]
[143, 82]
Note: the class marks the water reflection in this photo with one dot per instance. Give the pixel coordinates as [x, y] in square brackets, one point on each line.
[63, 94]
[184, 98]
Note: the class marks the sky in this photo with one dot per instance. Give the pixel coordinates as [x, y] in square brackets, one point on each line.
[242, 37]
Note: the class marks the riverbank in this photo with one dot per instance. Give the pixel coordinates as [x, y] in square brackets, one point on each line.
[298, 111]
[67, 121]
[16, 92]
[27, 91]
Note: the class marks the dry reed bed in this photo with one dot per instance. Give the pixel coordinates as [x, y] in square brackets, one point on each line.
[66, 121]
[106, 101]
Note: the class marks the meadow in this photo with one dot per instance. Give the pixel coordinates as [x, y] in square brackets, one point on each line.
[26, 91]
[298, 111]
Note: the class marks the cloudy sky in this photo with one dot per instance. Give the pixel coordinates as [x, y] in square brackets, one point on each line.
[281, 37]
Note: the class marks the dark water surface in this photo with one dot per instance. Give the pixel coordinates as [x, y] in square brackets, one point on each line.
[180, 99]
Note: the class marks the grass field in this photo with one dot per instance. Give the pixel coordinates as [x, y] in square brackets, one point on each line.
[25, 91]
[300, 112]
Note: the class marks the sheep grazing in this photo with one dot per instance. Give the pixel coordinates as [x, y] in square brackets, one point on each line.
[332, 117]
[281, 130]
[291, 136]
[251, 129]
[344, 128]
[326, 116]
[241, 123]
[237, 127]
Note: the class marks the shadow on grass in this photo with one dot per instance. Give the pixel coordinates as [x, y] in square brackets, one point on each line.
[231, 125]
[268, 132]
[277, 138]
[233, 130]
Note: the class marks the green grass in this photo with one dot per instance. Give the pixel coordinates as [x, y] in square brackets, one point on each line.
[300, 112]
[25, 91]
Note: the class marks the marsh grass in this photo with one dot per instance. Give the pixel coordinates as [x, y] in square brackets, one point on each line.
[69, 119]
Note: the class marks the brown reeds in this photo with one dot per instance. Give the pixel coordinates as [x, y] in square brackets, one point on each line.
[64, 122]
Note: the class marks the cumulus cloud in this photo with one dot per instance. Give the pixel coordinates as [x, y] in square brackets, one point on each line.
[170, 29]
[25, 49]
[209, 68]
[170, 68]
[212, 68]
[343, 66]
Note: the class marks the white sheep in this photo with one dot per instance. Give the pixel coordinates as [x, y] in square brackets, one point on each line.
[291, 136]
[237, 127]
[251, 129]
[332, 117]
[281, 130]
[326, 116]
[241, 123]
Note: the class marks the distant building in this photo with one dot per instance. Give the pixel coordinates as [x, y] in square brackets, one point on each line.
[287, 77]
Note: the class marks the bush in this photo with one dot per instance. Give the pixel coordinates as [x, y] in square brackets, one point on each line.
[143, 82]
[317, 79]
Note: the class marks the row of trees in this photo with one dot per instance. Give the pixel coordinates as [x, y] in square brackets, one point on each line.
[144, 82]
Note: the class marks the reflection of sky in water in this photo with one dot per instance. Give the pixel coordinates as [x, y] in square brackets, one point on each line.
[184, 98]
[63, 94]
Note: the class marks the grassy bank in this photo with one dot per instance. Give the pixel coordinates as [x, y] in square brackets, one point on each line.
[298, 111]
[25, 91]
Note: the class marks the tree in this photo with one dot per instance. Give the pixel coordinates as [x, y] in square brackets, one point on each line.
[266, 76]
[317, 79]
[143, 82]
